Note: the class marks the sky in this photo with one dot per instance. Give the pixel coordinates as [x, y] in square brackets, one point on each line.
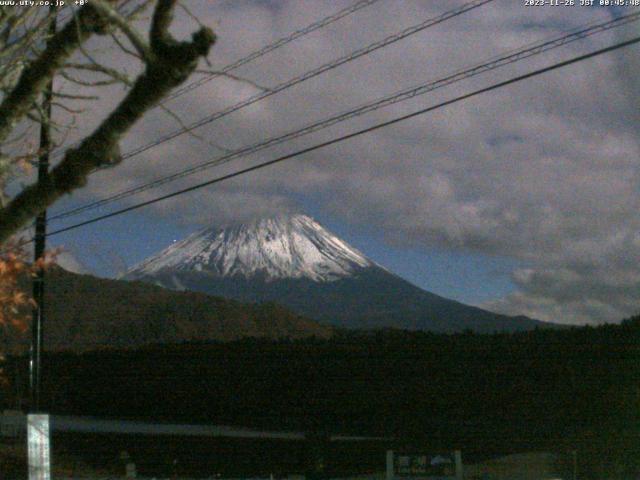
[522, 200]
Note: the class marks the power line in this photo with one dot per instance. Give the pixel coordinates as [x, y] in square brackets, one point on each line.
[267, 49]
[492, 64]
[38, 283]
[311, 74]
[275, 45]
[351, 135]
[308, 75]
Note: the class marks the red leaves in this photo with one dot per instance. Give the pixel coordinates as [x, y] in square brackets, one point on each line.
[15, 303]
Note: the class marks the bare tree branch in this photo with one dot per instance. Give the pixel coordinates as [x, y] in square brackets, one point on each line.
[162, 16]
[76, 96]
[190, 131]
[87, 83]
[134, 14]
[35, 77]
[134, 37]
[67, 109]
[123, 47]
[169, 64]
[103, 69]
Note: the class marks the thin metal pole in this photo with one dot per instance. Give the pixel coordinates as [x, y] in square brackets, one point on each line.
[40, 241]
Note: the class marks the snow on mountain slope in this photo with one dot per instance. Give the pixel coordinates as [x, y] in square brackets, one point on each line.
[274, 248]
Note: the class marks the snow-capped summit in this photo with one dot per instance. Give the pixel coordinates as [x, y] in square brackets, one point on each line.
[67, 260]
[280, 247]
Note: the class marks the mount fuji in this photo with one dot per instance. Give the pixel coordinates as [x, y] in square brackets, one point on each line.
[294, 261]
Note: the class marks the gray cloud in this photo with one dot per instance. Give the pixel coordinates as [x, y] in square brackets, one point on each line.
[544, 171]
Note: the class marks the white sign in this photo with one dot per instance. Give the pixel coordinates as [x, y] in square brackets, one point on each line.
[421, 466]
[38, 442]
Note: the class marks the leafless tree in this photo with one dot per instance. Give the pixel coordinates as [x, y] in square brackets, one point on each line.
[31, 54]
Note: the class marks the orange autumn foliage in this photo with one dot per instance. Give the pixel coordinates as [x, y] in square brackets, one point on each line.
[15, 303]
[13, 299]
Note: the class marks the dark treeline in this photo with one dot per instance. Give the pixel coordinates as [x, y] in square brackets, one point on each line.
[557, 390]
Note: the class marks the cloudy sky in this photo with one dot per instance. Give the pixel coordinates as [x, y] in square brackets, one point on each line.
[523, 200]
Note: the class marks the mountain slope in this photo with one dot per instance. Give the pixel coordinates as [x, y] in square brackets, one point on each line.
[294, 261]
[372, 298]
[85, 312]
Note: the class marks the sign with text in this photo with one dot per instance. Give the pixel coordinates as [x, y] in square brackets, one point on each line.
[423, 466]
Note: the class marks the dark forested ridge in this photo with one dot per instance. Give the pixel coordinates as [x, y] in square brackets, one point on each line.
[370, 298]
[84, 313]
[545, 389]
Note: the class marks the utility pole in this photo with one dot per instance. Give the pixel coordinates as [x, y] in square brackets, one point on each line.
[38, 425]
[35, 364]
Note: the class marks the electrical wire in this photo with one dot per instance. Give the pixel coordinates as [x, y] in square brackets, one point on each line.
[491, 64]
[275, 45]
[349, 136]
[261, 52]
[310, 74]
